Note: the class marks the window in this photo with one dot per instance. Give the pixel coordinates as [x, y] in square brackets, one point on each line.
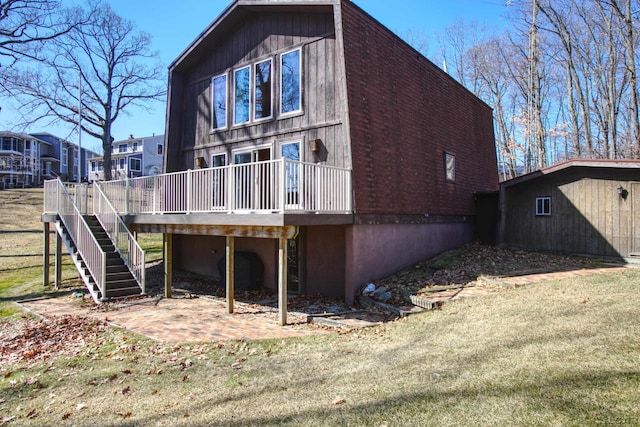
[449, 167]
[134, 147]
[219, 99]
[65, 156]
[122, 148]
[160, 148]
[93, 166]
[262, 90]
[122, 163]
[218, 160]
[291, 151]
[543, 206]
[242, 92]
[290, 71]
[134, 165]
[100, 167]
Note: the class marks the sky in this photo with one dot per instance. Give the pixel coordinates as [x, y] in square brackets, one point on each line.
[173, 25]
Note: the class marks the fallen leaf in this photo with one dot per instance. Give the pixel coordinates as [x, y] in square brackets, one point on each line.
[338, 401]
[126, 390]
[124, 415]
[67, 415]
[184, 378]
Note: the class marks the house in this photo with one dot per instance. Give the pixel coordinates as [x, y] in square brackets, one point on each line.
[20, 160]
[580, 206]
[308, 149]
[62, 158]
[131, 158]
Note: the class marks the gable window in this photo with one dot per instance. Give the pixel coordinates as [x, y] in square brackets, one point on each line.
[242, 93]
[134, 147]
[122, 148]
[219, 100]
[262, 90]
[449, 167]
[543, 206]
[134, 164]
[290, 89]
[160, 148]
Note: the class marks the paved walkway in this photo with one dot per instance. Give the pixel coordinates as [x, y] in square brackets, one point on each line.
[204, 319]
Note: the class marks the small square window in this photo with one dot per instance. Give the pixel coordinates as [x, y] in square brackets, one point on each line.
[543, 206]
[449, 167]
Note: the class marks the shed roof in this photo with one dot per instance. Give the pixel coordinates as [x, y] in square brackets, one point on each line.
[586, 163]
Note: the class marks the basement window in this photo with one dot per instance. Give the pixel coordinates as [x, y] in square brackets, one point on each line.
[543, 206]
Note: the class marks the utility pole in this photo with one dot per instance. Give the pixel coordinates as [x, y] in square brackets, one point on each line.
[79, 126]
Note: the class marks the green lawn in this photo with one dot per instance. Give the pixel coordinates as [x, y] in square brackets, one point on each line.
[555, 353]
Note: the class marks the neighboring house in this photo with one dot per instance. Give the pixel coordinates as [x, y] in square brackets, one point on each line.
[62, 158]
[22, 160]
[131, 158]
[308, 149]
[582, 207]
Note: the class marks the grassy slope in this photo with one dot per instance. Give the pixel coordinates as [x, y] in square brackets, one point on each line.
[559, 353]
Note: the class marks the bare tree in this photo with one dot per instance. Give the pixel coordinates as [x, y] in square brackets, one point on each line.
[26, 25]
[112, 63]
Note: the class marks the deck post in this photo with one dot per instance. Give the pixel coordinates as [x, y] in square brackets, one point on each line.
[168, 263]
[45, 254]
[230, 276]
[282, 280]
[58, 279]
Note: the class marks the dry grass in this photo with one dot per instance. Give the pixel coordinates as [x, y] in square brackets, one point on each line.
[556, 353]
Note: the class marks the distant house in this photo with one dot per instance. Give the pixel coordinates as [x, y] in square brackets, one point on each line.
[583, 207]
[20, 160]
[310, 150]
[63, 159]
[131, 158]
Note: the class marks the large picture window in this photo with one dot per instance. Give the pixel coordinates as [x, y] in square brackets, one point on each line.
[242, 92]
[290, 91]
[262, 90]
[219, 107]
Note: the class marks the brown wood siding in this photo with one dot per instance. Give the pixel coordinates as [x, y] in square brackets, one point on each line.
[404, 113]
[261, 36]
[587, 214]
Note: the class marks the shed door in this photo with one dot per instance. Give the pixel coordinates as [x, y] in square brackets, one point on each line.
[635, 218]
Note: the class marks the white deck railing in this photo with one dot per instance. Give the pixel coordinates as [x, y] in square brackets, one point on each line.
[58, 200]
[120, 235]
[271, 186]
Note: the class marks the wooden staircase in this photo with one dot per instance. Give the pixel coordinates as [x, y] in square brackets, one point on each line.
[120, 282]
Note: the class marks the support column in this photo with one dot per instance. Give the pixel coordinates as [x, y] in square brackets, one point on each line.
[168, 263]
[45, 254]
[230, 272]
[282, 280]
[58, 279]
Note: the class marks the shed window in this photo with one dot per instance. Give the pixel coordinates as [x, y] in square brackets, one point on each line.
[290, 92]
[242, 92]
[262, 90]
[219, 88]
[543, 206]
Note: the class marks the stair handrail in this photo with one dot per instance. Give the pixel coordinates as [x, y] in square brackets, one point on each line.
[124, 242]
[86, 244]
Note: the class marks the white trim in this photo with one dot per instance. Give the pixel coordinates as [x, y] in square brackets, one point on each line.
[300, 109]
[235, 110]
[226, 100]
[254, 90]
[224, 155]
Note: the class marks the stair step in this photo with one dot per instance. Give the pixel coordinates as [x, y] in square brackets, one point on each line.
[123, 292]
